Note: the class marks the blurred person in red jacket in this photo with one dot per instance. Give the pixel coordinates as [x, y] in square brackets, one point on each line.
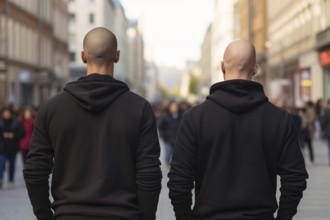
[11, 131]
[27, 118]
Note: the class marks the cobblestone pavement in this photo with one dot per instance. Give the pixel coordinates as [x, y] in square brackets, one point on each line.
[14, 203]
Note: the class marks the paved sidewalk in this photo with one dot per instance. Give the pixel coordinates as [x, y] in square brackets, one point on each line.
[14, 203]
[316, 201]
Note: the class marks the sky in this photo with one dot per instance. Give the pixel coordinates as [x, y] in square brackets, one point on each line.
[173, 29]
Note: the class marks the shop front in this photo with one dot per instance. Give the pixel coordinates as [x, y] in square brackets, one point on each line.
[323, 48]
[325, 63]
[283, 83]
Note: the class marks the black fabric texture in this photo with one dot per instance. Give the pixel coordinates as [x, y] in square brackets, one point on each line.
[230, 149]
[99, 141]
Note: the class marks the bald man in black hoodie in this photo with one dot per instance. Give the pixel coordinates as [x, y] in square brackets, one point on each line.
[232, 147]
[99, 141]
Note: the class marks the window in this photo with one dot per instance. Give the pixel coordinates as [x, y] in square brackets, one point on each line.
[91, 18]
[72, 17]
[72, 38]
[72, 56]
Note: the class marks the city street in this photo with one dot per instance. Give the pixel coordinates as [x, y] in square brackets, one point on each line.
[14, 203]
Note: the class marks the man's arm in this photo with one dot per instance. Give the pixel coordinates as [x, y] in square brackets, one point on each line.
[38, 167]
[183, 171]
[292, 172]
[148, 173]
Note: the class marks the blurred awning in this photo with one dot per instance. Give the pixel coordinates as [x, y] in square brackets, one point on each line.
[3, 67]
[323, 39]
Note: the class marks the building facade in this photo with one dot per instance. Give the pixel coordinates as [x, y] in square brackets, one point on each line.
[222, 35]
[136, 61]
[206, 63]
[191, 77]
[296, 74]
[85, 15]
[33, 50]
[250, 19]
[323, 46]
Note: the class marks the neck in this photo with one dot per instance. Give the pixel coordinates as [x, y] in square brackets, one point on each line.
[103, 70]
[233, 76]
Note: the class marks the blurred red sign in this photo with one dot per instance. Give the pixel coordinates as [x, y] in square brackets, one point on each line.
[325, 57]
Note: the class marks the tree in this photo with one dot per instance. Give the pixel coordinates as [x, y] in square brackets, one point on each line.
[193, 84]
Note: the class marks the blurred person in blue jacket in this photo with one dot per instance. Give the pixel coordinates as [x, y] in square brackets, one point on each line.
[168, 128]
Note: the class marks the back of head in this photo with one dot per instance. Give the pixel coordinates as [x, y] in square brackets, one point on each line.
[239, 60]
[7, 112]
[100, 46]
[309, 104]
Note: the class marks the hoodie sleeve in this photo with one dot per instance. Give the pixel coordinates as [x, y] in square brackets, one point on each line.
[183, 171]
[148, 173]
[38, 167]
[292, 172]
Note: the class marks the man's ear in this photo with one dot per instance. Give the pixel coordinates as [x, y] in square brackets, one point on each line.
[256, 69]
[83, 57]
[223, 68]
[117, 56]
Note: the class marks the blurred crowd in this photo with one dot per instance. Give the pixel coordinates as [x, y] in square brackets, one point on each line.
[16, 128]
[312, 121]
[168, 116]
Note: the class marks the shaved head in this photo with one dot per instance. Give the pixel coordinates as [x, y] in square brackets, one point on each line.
[239, 60]
[100, 47]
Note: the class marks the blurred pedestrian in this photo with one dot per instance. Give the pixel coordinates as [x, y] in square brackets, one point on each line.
[232, 147]
[168, 129]
[319, 110]
[310, 115]
[325, 125]
[27, 119]
[11, 130]
[158, 110]
[184, 106]
[99, 141]
[298, 122]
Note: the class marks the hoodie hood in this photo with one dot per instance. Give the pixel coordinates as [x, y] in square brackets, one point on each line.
[95, 92]
[238, 96]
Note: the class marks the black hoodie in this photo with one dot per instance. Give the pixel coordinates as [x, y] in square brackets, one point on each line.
[99, 140]
[232, 147]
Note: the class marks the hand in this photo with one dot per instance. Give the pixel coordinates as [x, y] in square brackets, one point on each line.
[8, 135]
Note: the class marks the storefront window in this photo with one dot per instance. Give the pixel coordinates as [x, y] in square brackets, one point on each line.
[325, 62]
[305, 85]
[327, 83]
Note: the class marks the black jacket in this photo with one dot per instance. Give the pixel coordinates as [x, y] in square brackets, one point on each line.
[10, 146]
[100, 142]
[325, 123]
[169, 126]
[233, 146]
